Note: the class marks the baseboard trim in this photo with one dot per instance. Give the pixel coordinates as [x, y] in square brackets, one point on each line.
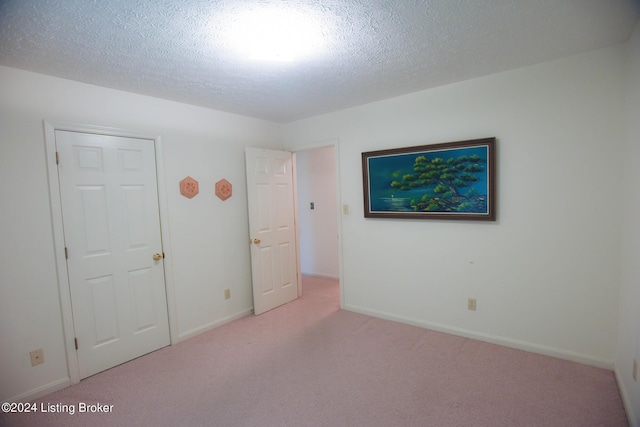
[209, 326]
[507, 342]
[322, 276]
[628, 407]
[41, 391]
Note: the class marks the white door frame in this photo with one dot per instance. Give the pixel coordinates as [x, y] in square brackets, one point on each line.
[58, 230]
[335, 143]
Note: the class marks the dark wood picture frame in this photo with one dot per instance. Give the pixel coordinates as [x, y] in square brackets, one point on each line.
[451, 181]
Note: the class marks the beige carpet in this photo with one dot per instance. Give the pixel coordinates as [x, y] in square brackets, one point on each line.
[309, 363]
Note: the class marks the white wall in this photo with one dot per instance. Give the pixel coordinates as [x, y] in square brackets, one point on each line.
[629, 329]
[316, 182]
[546, 273]
[208, 237]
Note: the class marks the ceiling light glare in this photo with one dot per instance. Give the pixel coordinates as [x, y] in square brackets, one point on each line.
[276, 35]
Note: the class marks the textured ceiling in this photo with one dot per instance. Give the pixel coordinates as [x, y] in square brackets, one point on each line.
[373, 49]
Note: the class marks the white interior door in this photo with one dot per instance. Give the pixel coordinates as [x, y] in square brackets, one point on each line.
[111, 222]
[270, 196]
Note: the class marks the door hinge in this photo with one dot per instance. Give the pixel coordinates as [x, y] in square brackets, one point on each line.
[75, 341]
[57, 158]
[66, 253]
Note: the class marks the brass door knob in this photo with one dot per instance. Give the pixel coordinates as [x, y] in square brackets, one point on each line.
[256, 241]
[157, 257]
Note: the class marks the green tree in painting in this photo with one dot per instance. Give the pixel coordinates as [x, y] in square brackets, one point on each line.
[445, 180]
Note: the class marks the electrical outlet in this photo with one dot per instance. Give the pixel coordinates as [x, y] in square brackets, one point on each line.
[227, 293]
[37, 357]
[635, 370]
[471, 304]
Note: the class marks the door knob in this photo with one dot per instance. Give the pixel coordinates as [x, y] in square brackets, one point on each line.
[257, 241]
[157, 257]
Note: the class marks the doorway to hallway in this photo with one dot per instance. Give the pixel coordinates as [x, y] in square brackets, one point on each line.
[317, 208]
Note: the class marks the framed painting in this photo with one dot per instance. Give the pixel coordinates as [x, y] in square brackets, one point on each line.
[452, 180]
